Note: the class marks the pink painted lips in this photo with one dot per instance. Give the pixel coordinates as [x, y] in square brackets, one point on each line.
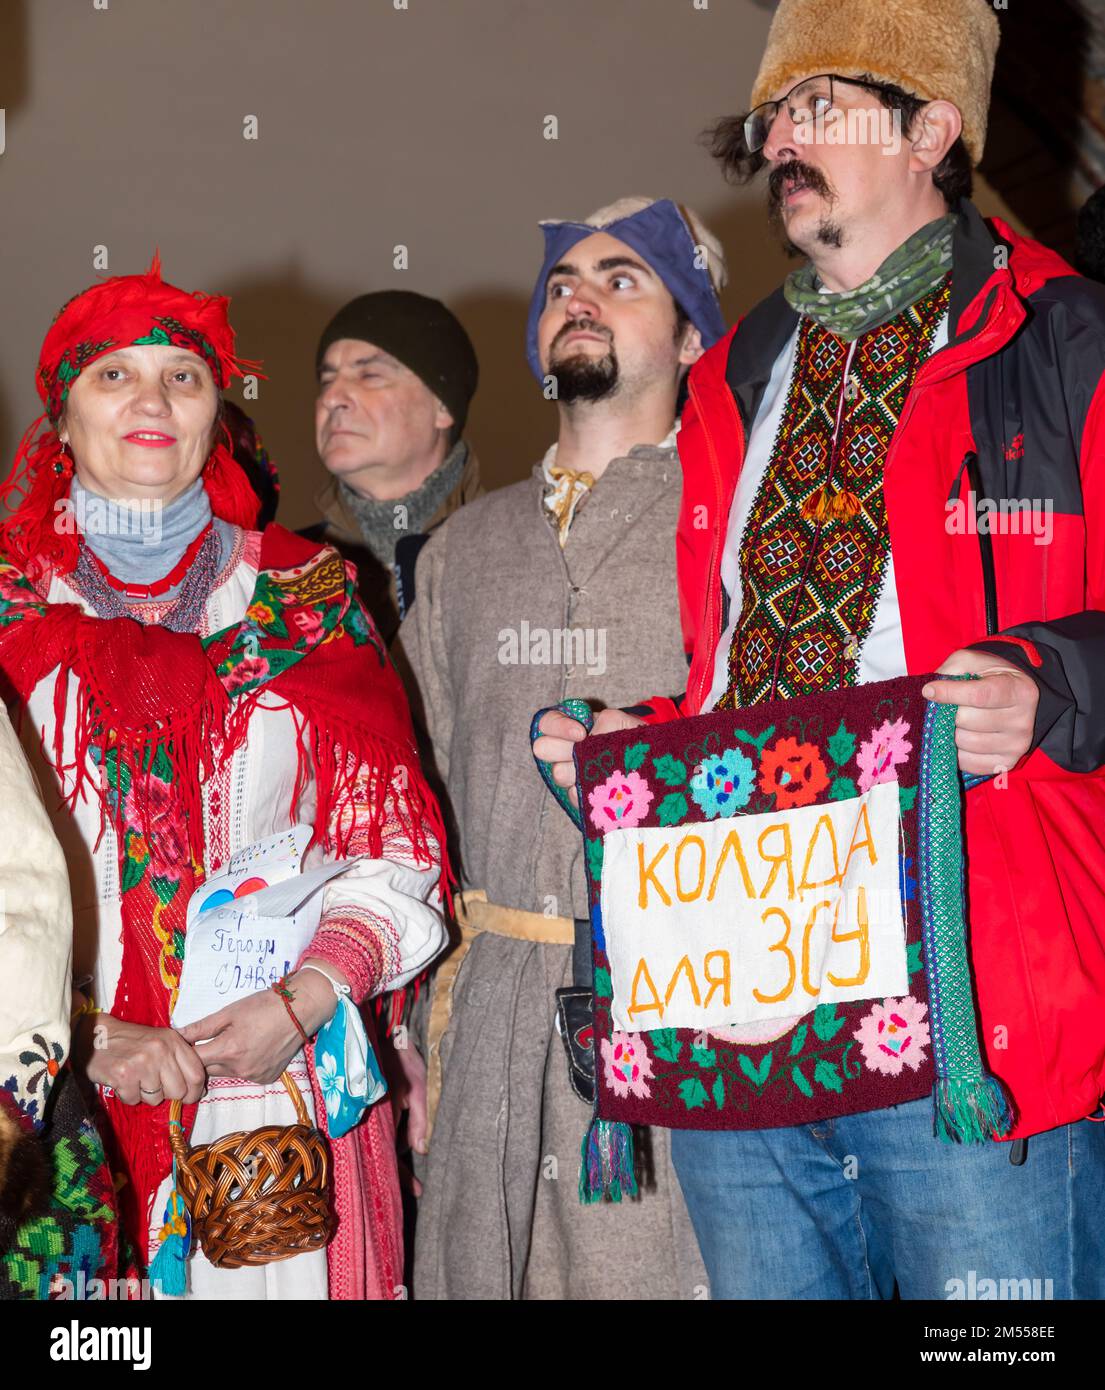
[150, 439]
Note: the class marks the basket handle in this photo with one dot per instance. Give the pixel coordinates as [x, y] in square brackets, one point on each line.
[179, 1142]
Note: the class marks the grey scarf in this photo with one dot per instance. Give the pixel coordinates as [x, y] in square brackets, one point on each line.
[377, 520]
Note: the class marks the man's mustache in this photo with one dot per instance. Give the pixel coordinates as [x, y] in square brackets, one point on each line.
[794, 171]
[581, 326]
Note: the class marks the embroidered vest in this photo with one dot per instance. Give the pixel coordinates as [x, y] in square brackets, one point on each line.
[814, 551]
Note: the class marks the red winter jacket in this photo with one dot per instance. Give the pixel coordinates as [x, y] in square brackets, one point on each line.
[1011, 408]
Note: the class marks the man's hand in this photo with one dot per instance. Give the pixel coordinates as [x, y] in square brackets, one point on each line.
[997, 714]
[559, 735]
[408, 1092]
[143, 1066]
[253, 1038]
[405, 1071]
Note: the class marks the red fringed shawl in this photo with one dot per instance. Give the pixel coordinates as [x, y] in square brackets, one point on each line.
[156, 711]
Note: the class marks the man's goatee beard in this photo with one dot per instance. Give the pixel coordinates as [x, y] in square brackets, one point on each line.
[588, 379]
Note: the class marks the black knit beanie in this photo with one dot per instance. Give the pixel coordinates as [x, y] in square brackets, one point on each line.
[419, 332]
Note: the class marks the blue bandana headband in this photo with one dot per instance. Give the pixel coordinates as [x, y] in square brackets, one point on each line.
[660, 236]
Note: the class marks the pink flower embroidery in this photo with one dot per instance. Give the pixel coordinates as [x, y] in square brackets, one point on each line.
[308, 621]
[894, 1035]
[627, 1064]
[250, 668]
[622, 801]
[879, 755]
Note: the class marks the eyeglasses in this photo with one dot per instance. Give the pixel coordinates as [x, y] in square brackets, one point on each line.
[810, 100]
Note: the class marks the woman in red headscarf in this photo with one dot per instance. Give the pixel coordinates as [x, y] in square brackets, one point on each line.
[194, 687]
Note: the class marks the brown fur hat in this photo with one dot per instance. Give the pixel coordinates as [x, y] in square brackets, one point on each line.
[938, 50]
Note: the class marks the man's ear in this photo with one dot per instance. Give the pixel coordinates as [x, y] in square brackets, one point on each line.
[692, 348]
[443, 419]
[937, 127]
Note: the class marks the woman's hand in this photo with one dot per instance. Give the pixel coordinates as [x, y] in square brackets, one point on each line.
[143, 1066]
[254, 1039]
[559, 735]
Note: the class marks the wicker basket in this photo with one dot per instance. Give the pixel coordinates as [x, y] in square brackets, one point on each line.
[257, 1196]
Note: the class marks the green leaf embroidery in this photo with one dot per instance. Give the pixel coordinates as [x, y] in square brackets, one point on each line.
[906, 797]
[670, 771]
[843, 789]
[798, 1042]
[842, 745]
[635, 755]
[757, 1075]
[913, 959]
[162, 768]
[594, 857]
[672, 809]
[118, 774]
[603, 988]
[133, 872]
[826, 1075]
[666, 1044]
[703, 1056]
[801, 1082]
[757, 743]
[692, 1093]
[826, 1024]
[157, 335]
[165, 888]
[719, 1091]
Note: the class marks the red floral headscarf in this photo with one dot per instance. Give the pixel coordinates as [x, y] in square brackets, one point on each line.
[125, 311]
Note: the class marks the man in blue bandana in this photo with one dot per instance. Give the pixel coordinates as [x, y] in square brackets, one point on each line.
[562, 585]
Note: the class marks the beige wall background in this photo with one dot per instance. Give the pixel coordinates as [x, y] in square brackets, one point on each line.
[377, 126]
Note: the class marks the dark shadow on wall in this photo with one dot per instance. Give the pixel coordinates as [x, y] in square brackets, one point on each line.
[510, 423]
[14, 83]
[14, 65]
[1039, 153]
[278, 320]
[756, 260]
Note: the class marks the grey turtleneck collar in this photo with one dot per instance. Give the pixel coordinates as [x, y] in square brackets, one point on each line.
[377, 520]
[140, 543]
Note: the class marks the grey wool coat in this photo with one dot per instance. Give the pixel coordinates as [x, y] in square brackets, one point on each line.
[485, 641]
[505, 623]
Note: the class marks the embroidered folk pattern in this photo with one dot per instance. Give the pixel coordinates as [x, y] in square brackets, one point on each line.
[76, 1241]
[811, 586]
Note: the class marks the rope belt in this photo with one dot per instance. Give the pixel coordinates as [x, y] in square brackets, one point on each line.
[476, 915]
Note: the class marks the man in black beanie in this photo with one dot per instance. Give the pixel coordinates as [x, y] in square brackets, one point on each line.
[396, 372]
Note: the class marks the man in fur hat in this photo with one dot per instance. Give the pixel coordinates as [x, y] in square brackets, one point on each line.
[899, 453]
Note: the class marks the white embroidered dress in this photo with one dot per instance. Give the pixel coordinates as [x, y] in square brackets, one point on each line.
[380, 923]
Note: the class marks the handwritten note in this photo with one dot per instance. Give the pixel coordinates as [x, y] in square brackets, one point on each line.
[246, 943]
[755, 917]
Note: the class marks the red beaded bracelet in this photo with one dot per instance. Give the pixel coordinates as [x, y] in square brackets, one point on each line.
[287, 995]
